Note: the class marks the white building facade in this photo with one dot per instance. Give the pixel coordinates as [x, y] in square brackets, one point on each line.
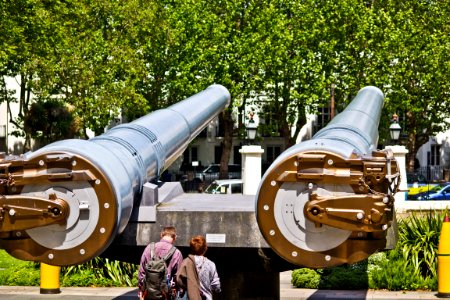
[434, 158]
[9, 143]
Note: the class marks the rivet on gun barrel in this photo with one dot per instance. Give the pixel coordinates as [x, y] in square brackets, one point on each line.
[329, 200]
[65, 203]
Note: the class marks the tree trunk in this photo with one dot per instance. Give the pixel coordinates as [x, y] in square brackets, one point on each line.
[285, 132]
[227, 144]
[411, 155]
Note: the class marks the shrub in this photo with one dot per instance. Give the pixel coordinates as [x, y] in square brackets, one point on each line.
[395, 274]
[86, 278]
[342, 277]
[418, 241]
[100, 272]
[97, 272]
[353, 277]
[305, 278]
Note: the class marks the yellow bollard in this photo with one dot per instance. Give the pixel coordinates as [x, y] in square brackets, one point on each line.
[444, 260]
[50, 279]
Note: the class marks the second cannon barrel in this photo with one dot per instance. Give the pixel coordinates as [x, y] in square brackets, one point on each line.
[329, 200]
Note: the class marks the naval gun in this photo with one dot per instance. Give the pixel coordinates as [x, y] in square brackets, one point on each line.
[329, 200]
[66, 202]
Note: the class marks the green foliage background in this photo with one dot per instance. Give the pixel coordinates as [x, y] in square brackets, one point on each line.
[283, 56]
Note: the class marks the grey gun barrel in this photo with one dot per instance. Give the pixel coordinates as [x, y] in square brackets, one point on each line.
[92, 185]
[329, 200]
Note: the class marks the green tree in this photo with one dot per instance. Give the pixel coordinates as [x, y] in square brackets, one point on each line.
[50, 120]
[88, 53]
[96, 59]
[20, 46]
[419, 76]
[292, 72]
[210, 39]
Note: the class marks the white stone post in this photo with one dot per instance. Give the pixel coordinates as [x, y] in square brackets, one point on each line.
[251, 168]
[400, 154]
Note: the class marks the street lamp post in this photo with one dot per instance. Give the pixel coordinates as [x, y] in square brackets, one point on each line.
[251, 160]
[251, 129]
[399, 153]
[395, 129]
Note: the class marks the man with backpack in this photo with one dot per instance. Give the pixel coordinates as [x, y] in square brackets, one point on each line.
[159, 264]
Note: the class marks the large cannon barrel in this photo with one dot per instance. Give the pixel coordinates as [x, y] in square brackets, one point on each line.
[329, 200]
[65, 203]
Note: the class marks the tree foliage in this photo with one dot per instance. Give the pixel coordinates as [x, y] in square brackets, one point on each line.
[418, 47]
[136, 56]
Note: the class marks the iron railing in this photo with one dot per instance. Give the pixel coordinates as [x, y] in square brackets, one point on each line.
[434, 173]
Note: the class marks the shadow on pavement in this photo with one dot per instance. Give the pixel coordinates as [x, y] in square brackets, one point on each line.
[339, 295]
[128, 295]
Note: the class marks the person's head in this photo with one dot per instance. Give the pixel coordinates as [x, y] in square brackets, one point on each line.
[198, 245]
[169, 233]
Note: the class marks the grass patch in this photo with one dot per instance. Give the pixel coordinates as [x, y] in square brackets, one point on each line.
[18, 272]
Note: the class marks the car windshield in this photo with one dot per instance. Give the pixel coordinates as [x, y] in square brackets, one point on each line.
[214, 188]
[436, 188]
[212, 169]
[445, 189]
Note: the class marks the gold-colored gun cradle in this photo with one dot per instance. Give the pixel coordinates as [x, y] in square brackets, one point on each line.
[367, 213]
[21, 213]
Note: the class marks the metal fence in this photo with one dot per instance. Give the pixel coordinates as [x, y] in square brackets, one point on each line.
[434, 173]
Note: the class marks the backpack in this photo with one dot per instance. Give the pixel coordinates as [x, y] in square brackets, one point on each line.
[156, 274]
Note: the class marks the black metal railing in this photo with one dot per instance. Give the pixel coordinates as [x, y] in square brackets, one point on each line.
[434, 173]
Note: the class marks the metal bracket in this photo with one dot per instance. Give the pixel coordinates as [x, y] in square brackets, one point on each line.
[19, 212]
[368, 212]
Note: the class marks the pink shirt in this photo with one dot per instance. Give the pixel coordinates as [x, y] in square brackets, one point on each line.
[161, 249]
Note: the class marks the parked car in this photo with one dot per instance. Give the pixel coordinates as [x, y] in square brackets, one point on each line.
[415, 192]
[442, 194]
[225, 186]
[417, 185]
[425, 192]
[211, 173]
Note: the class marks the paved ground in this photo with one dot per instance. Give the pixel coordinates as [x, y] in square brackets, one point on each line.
[287, 292]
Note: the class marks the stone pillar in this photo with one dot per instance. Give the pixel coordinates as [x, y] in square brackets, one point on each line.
[400, 155]
[251, 168]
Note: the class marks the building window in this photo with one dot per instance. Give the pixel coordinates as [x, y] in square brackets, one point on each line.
[237, 156]
[189, 155]
[323, 117]
[272, 153]
[217, 154]
[435, 155]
